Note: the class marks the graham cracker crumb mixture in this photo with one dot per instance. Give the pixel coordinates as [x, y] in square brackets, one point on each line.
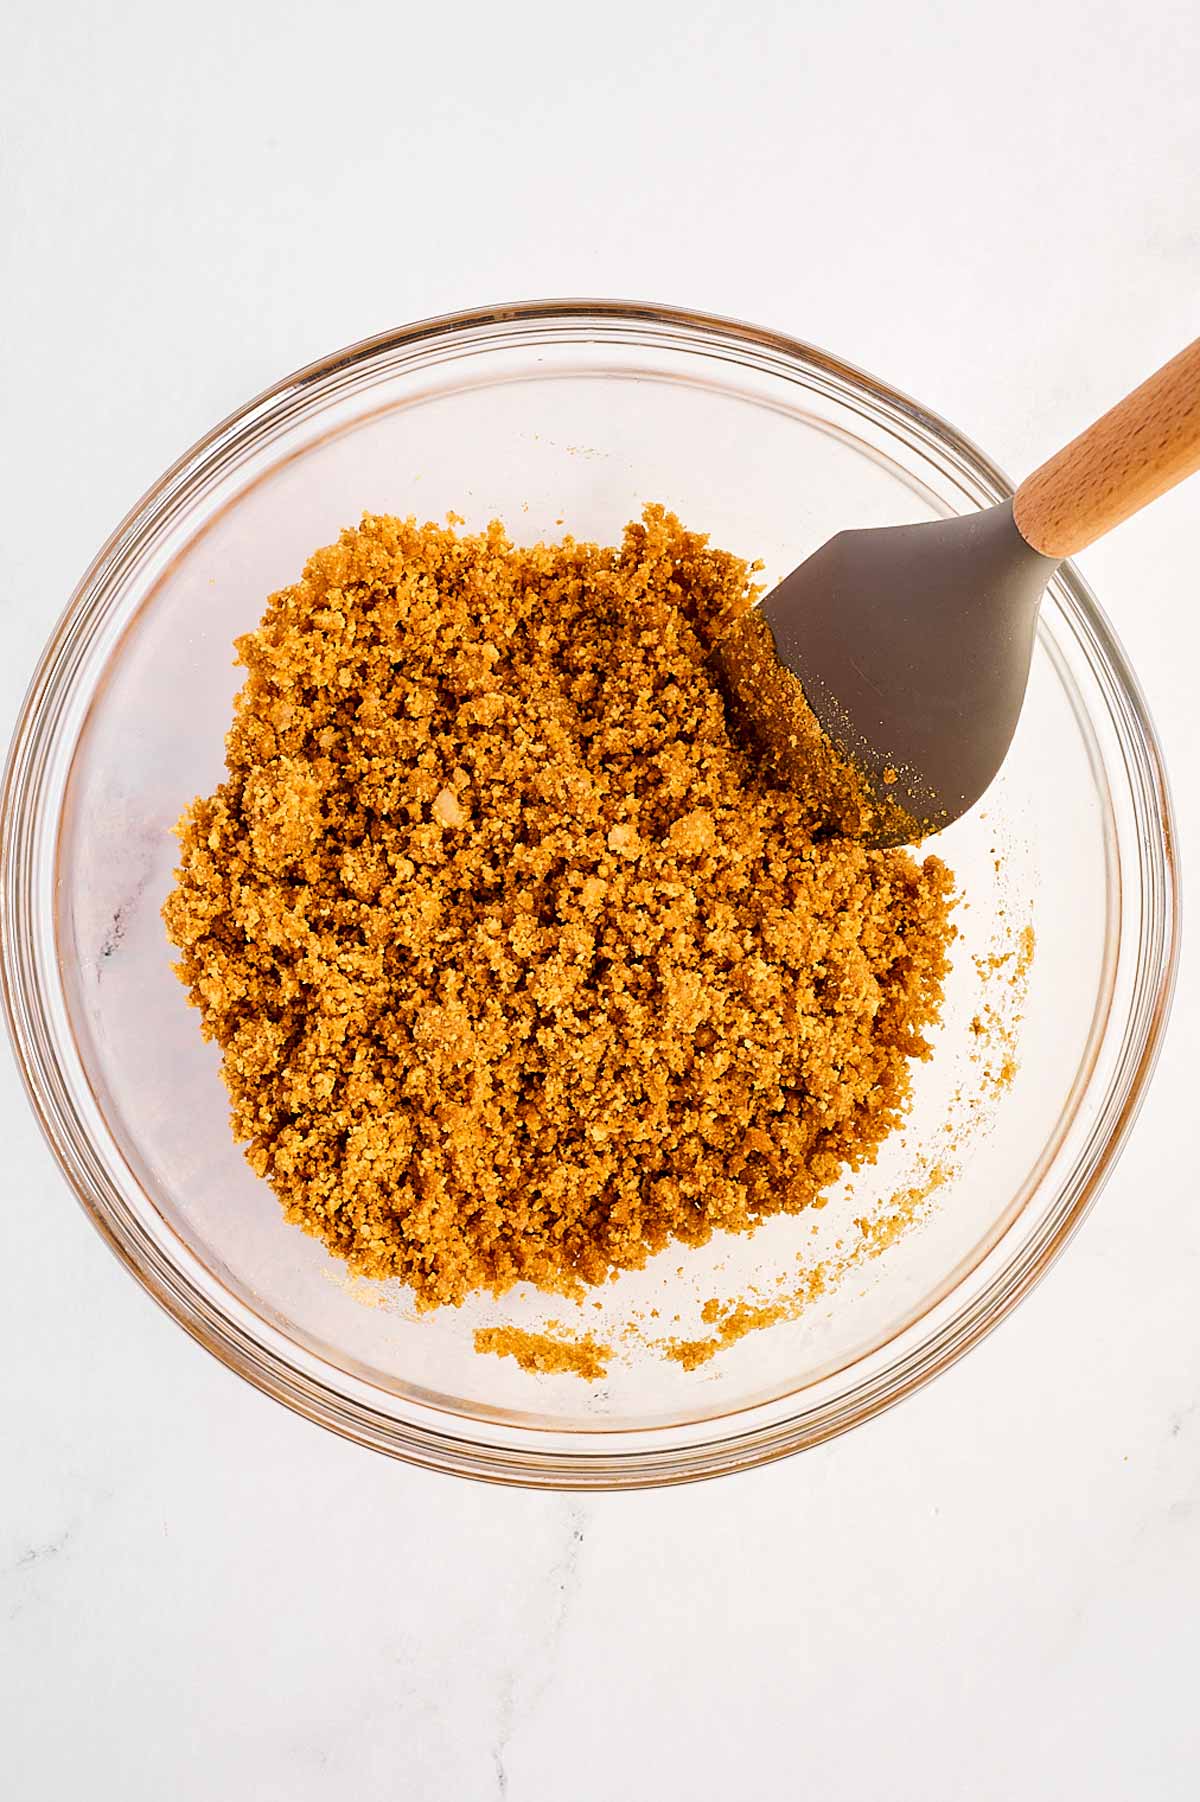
[521, 964]
[543, 1354]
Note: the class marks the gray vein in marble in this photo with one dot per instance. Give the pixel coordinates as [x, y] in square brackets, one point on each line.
[563, 1578]
[21, 1574]
[35, 1554]
[1139, 1540]
[1180, 1418]
[504, 1734]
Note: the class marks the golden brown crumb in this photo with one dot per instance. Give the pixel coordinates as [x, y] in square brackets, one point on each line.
[741, 1320]
[521, 964]
[545, 1355]
[769, 709]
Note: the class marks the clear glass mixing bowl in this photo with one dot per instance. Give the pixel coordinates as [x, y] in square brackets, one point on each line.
[568, 416]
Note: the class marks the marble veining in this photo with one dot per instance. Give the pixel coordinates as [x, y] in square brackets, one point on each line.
[520, 1697]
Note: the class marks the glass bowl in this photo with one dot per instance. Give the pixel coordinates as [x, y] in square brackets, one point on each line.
[568, 416]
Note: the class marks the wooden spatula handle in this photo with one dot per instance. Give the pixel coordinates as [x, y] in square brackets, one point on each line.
[1139, 449]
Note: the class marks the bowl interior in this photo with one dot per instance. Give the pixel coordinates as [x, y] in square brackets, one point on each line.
[549, 433]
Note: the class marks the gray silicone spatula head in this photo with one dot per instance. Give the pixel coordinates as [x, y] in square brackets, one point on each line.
[911, 645]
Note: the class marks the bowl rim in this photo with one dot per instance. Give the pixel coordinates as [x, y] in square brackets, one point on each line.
[427, 1441]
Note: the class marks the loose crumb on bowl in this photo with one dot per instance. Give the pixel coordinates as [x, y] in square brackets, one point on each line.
[545, 1354]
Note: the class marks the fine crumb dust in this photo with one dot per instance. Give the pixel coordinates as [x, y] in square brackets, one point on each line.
[521, 964]
[995, 1027]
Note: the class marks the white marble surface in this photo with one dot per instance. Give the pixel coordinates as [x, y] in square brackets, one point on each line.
[990, 1593]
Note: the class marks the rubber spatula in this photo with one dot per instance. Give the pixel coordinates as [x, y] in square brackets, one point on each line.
[912, 644]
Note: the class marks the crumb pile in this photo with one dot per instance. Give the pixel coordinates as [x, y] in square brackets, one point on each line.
[520, 962]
